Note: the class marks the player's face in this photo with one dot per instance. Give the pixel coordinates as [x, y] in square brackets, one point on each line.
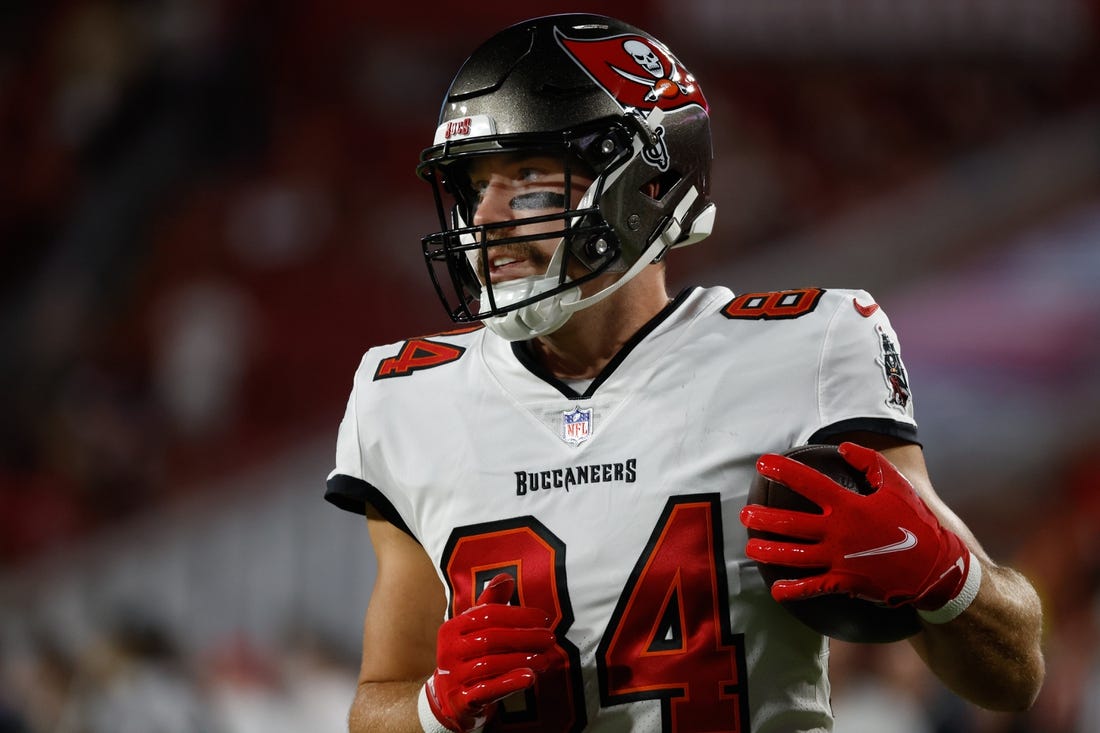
[509, 188]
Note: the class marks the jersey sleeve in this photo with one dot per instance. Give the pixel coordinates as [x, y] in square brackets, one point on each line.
[353, 483]
[862, 382]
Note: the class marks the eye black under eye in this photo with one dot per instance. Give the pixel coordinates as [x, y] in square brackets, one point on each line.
[538, 200]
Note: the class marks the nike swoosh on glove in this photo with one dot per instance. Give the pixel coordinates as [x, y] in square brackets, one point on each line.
[484, 654]
[886, 547]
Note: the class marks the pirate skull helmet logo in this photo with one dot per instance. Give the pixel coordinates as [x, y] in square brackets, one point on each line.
[646, 57]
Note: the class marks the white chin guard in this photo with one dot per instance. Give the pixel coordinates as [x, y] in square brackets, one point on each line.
[537, 319]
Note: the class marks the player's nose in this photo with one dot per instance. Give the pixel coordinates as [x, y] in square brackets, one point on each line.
[494, 205]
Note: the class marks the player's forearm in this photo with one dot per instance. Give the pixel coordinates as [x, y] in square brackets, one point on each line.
[991, 654]
[388, 706]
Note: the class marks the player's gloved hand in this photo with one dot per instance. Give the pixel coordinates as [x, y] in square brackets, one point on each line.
[484, 654]
[886, 547]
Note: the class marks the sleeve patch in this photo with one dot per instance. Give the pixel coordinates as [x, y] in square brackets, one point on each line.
[897, 381]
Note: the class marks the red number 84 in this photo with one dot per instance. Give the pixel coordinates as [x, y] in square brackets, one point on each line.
[668, 638]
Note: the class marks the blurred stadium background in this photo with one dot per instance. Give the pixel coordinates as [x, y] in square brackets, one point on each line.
[208, 211]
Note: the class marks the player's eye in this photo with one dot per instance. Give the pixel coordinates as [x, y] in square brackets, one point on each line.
[530, 175]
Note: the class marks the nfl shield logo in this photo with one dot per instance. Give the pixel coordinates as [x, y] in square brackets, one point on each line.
[576, 426]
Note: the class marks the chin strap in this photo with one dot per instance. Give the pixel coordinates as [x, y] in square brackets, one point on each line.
[701, 227]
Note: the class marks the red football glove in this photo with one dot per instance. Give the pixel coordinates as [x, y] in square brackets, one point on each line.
[484, 654]
[886, 547]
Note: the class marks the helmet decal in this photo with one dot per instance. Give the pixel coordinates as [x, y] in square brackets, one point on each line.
[635, 71]
[657, 154]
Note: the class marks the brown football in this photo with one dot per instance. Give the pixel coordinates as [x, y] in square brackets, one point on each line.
[837, 616]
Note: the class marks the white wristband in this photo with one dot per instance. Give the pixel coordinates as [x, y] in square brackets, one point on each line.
[428, 721]
[951, 610]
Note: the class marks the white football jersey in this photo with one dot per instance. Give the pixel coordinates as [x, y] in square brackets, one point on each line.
[616, 506]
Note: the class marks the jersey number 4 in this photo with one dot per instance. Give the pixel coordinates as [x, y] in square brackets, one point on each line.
[669, 636]
[415, 355]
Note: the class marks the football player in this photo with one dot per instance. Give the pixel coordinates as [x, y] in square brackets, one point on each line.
[555, 491]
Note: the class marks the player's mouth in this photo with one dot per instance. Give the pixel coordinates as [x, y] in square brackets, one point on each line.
[504, 267]
[512, 261]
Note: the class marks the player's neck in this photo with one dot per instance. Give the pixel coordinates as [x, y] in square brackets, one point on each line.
[592, 337]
